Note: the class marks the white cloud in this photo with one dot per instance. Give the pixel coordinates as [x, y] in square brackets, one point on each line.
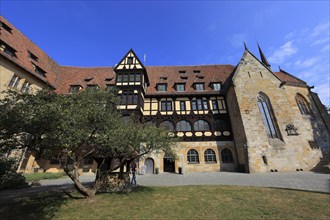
[305, 63]
[320, 29]
[290, 35]
[285, 51]
[321, 41]
[325, 49]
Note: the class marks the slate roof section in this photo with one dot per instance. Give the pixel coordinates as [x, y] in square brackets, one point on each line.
[22, 45]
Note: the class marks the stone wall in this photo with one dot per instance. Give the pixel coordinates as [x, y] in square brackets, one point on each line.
[286, 153]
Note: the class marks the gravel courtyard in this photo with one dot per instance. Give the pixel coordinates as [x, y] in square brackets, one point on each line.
[300, 180]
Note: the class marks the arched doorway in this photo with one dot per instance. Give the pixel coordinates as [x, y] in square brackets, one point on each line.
[169, 164]
[149, 165]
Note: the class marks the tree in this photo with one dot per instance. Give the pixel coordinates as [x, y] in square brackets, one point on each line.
[74, 127]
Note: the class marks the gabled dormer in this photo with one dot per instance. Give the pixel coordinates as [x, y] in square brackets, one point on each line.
[130, 62]
[130, 69]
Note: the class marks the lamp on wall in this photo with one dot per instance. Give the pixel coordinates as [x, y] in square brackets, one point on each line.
[291, 130]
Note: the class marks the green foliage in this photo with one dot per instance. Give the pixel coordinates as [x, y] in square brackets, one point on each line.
[62, 125]
[8, 176]
[42, 176]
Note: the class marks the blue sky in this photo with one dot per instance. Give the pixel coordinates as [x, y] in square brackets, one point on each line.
[293, 34]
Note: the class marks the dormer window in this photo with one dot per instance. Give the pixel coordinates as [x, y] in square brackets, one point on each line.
[216, 86]
[129, 60]
[7, 49]
[182, 71]
[108, 79]
[74, 88]
[200, 76]
[163, 77]
[91, 88]
[179, 87]
[39, 71]
[4, 26]
[199, 86]
[33, 57]
[197, 71]
[161, 87]
[184, 77]
[88, 79]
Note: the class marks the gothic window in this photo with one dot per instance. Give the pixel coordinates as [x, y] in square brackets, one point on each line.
[268, 116]
[303, 105]
[201, 125]
[168, 125]
[192, 156]
[183, 126]
[227, 156]
[209, 156]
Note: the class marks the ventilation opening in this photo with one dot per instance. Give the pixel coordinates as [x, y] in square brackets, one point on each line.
[264, 158]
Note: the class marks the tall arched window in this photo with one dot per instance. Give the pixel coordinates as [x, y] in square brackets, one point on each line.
[192, 156]
[201, 125]
[168, 125]
[303, 105]
[183, 126]
[268, 116]
[209, 156]
[227, 156]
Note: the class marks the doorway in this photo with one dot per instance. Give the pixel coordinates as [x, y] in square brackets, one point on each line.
[169, 164]
[149, 165]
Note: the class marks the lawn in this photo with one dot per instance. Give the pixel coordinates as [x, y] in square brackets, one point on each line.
[41, 176]
[184, 202]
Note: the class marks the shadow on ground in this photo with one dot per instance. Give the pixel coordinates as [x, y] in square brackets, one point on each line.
[43, 202]
[43, 205]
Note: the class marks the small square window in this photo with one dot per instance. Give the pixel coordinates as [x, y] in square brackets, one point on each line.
[179, 87]
[161, 87]
[129, 60]
[74, 89]
[166, 106]
[33, 57]
[216, 86]
[199, 86]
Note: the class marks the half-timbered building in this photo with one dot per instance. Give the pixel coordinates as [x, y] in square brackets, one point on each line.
[245, 118]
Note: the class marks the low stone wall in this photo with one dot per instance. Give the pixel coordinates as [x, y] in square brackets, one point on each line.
[112, 183]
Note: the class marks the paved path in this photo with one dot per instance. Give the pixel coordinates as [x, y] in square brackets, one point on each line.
[301, 180]
[297, 180]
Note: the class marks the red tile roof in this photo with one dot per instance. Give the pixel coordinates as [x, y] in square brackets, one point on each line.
[61, 77]
[289, 79]
[210, 73]
[100, 76]
[22, 45]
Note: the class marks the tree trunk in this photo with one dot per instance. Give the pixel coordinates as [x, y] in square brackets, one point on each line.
[86, 192]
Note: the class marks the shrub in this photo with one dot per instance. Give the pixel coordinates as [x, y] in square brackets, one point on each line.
[8, 176]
